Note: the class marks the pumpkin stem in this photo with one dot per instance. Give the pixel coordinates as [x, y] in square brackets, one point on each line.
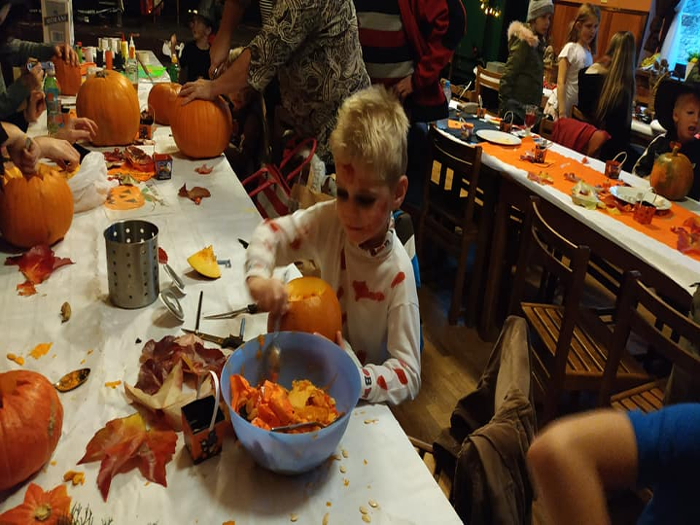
[42, 512]
[675, 146]
[8, 385]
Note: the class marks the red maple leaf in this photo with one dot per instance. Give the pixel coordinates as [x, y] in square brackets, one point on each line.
[36, 265]
[196, 194]
[126, 443]
[204, 169]
[693, 224]
[687, 241]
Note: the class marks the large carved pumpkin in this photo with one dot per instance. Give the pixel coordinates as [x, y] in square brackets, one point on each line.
[313, 307]
[69, 77]
[111, 101]
[672, 175]
[31, 417]
[201, 129]
[35, 209]
[161, 99]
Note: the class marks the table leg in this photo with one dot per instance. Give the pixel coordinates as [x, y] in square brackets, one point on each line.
[487, 327]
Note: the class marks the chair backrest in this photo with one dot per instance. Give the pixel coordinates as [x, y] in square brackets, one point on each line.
[542, 246]
[485, 78]
[546, 128]
[657, 324]
[464, 162]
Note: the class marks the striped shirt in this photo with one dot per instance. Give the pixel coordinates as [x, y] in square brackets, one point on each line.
[387, 54]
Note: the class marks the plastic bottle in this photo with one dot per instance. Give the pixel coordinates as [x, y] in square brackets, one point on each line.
[132, 69]
[79, 52]
[54, 118]
[447, 90]
[174, 69]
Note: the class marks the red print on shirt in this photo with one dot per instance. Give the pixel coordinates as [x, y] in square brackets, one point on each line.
[363, 292]
[365, 372]
[342, 259]
[340, 293]
[366, 392]
[400, 277]
[401, 375]
[273, 225]
[382, 383]
[295, 244]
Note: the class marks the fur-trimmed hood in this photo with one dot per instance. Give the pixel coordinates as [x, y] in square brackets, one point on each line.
[523, 32]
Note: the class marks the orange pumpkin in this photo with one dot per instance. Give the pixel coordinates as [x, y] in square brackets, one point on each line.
[47, 508]
[31, 417]
[69, 77]
[161, 99]
[672, 175]
[201, 129]
[313, 307]
[110, 100]
[35, 209]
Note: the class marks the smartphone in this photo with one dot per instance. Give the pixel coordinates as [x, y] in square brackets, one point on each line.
[33, 63]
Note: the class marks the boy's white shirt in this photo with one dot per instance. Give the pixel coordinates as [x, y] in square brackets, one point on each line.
[376, 290]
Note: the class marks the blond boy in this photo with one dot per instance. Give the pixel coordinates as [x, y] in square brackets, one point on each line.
[354, 243]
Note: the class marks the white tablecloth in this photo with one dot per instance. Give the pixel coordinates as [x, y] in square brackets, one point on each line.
[381, 465]
[682, 269]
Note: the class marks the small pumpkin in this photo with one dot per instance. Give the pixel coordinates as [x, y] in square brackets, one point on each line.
[313, 307]
[111, 101]
[161, 99]
[35, 209]
[202, 128]
[672, 175]
[204, 262]
[31, 418]
[69, 77]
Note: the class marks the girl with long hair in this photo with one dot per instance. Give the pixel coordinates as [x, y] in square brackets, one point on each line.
[606, 92]
[577, 54]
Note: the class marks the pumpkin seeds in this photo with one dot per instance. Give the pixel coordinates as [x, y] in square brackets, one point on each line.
[65, 312]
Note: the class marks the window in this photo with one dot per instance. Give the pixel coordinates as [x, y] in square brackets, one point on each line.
[683, 39]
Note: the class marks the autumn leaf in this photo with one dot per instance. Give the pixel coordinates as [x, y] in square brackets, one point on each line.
[36, 265]
[687, 241]
[693, 224]
[204, 169]
[126, 443]
[196, 194]
[47, 508]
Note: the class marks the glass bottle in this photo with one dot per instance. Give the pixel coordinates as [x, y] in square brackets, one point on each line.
[54, 119]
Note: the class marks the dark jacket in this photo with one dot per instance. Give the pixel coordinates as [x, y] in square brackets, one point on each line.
[490, 432]
[618, 119]
[661, 145]
[434, 31]
[521, 83]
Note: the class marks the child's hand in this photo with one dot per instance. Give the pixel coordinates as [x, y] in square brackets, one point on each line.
[269, 294]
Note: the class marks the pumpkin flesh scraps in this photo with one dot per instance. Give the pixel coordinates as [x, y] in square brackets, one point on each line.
[125, 443]
[139, 160]
[271, 405]
[196, 194]
[47, 508]
[36, 265]
[204, 169]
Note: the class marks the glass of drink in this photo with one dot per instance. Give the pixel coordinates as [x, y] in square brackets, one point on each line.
[530, 117]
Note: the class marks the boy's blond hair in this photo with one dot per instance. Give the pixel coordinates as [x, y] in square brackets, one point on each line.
[372, 131]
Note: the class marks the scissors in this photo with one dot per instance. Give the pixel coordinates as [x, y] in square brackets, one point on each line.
[250, 309]
[231, 341]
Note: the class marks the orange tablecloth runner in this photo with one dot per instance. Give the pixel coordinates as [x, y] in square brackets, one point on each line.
[557, 165]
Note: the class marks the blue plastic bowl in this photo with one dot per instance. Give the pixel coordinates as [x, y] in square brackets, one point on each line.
[302, 356]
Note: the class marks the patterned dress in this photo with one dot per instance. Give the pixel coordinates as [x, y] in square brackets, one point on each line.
[314, 48]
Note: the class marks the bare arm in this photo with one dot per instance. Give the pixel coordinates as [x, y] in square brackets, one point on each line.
[577, 458]
[561, 86]
[234, 80]
[231, 17]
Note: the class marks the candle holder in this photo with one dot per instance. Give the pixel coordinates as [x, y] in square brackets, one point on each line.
[203, 424]
[506, 126]
[614, 167]
[644, 212]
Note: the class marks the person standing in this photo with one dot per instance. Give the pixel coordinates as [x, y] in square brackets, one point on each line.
[521, 83]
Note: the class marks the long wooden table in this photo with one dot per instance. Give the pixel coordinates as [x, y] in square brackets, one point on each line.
[375, 461]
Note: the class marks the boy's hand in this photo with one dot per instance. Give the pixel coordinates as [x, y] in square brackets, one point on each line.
[58, 150]
[24, 153]
[78, 129]
[36, 105]
[269, 294]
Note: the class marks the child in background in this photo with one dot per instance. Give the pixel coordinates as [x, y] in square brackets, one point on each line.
[356, 248]
[576, 55]
[677, 106]
[606, 92]
[195, 60]
[521, 83]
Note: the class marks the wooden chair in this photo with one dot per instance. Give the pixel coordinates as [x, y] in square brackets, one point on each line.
[425, 451]
[573, 350]
[546, 128]
[449, 204]
[485, 78]
[660, 325]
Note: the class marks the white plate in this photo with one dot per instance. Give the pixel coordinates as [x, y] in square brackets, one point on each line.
[634, 195]
[498, 137]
